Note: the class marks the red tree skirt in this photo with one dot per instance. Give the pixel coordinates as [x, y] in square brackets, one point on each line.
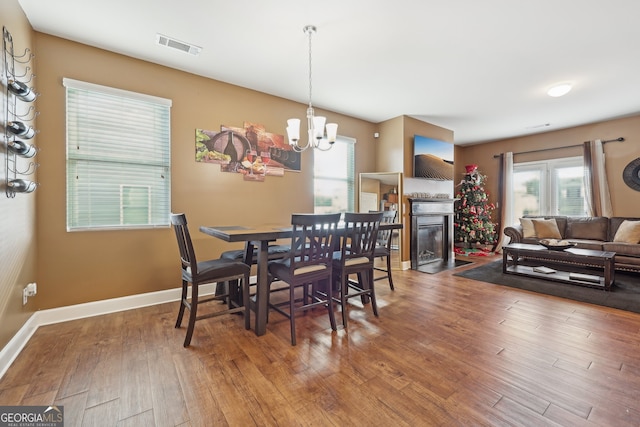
[472, 251]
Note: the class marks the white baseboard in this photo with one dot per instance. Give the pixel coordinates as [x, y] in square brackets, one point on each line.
[80, 311]
[16, 344]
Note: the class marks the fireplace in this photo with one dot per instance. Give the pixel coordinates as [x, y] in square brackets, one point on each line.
[431, 232]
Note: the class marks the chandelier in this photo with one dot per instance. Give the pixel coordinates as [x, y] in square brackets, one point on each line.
[315, 124]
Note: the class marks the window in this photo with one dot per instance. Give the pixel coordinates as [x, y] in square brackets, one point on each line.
[553, 187]
[118, 158]
[333, 177]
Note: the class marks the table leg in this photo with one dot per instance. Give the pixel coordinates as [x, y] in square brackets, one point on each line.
[504, 260]
[262, 291]
[609, 271]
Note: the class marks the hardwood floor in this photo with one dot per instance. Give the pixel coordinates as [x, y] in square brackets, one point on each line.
[445, 351]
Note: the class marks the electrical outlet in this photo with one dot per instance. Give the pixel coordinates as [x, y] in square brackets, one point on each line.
[30, 290]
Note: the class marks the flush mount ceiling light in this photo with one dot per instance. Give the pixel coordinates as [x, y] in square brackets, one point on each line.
[559, 89]
[315, 124]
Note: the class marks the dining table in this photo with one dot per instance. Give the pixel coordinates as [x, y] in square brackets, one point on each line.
[261, 235]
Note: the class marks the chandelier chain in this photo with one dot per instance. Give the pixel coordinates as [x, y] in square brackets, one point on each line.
[310, 31]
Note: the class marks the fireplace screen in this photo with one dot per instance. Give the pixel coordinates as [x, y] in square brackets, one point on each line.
[430, 232]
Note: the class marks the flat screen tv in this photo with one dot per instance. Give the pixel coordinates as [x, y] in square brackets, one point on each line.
[432, 159]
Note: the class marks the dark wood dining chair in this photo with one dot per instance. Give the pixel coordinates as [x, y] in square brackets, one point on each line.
[198, 273]
[356, 256]
[308, 266]
[383, 247]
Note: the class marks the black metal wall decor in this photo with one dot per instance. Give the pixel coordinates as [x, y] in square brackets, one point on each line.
[631, 174]
[17, 130]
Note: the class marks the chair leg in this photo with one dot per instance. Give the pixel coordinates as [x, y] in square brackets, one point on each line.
[192, 314]
[344, 290]
[234, 293]
[183, 299]
[246, 302]
[329, 295]
[368, 278]
[362, 284]
[389, 273]
[292, 313]
[305, 293]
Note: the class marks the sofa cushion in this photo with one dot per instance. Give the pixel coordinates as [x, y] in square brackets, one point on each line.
[588, 228]
[594, 245]
[629, 249]
[546, 229]
[527, 228]
[615, 222]
[628, 232]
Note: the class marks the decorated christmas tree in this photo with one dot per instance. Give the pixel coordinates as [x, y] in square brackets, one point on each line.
[473, 210]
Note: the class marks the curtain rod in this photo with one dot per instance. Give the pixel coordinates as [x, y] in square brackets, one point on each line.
[495, 156]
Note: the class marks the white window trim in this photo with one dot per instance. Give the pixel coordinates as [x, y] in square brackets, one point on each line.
[135, 96]
[77, 84]
[547, 183]
[351, 196]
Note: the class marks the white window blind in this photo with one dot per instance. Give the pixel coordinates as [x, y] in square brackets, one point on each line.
[334, 177]
[118, 158]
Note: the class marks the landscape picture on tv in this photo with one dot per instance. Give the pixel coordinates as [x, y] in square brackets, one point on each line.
[432, 159]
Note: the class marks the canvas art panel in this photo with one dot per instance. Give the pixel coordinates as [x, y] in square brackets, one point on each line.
[250, 150]
[433, 159]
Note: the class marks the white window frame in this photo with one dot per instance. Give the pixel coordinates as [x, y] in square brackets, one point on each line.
[350, 179]
[115, 138]
[548, 185]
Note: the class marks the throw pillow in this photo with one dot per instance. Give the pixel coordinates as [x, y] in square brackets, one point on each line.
[527, 228]
[546, 229]
[628, 232]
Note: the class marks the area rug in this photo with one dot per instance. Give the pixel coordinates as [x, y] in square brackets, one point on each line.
[624, 294]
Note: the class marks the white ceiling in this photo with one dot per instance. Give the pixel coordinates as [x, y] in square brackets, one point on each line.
[479, 68]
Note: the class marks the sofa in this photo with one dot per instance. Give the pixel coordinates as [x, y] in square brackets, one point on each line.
[615, 234]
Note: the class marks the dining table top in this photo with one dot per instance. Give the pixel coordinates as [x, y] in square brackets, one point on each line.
[242, 233]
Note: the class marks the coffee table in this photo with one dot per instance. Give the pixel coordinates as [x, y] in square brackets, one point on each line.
[566, 266]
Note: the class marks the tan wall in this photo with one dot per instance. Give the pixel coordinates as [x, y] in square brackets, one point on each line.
[412, 127]
[625, 200]
[390, 147]
[88, 266]
[17, 215]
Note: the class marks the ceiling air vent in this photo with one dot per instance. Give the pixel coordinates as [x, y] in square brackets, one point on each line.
[163, 40]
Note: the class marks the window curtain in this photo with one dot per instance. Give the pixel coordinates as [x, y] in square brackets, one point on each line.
[595, 180]
[504, 209]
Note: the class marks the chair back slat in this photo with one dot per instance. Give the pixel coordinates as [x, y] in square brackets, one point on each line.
[360, 235]
[313, 239]
[384, 236]
[187, 254]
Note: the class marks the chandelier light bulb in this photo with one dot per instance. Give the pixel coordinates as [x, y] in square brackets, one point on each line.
[293, 130]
